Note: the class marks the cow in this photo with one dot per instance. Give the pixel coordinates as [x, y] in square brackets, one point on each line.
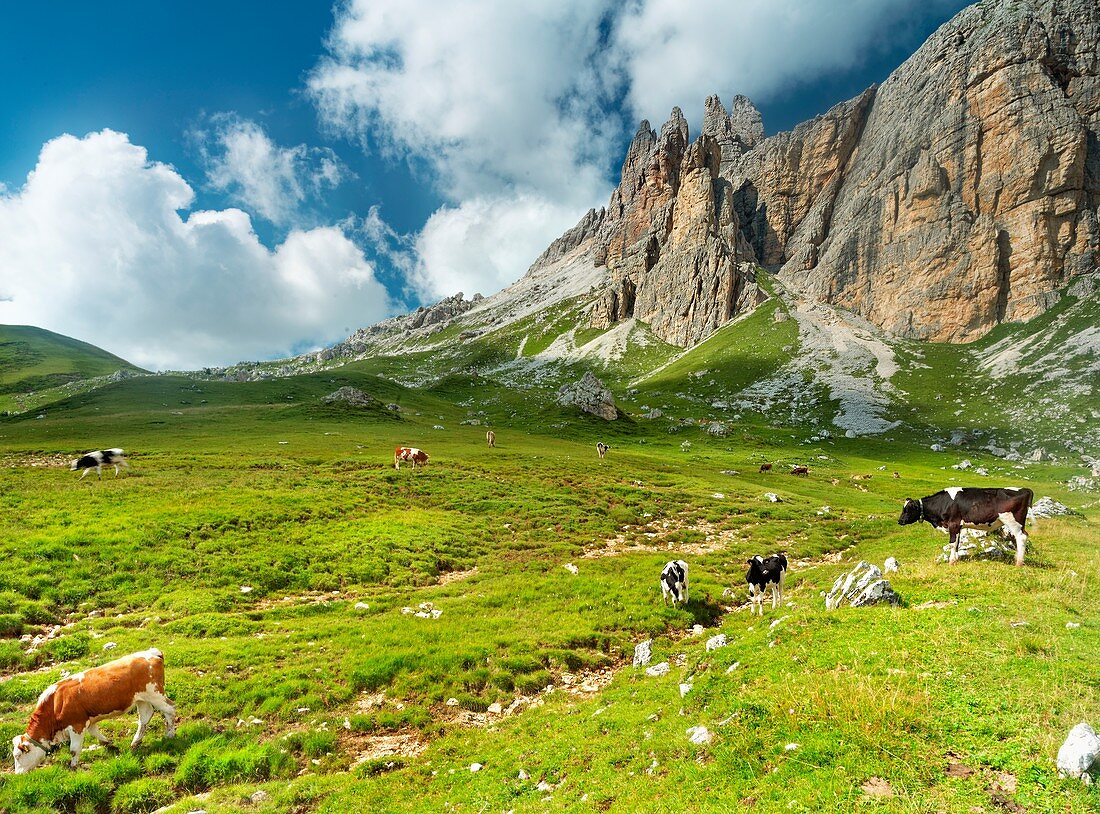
[800, 470]
[97, 460]
[491, 438]
[416, 456]
[766, 572]
[74, 706]
[765, 467]
[674, 582]
[601, 449]
[956, 507]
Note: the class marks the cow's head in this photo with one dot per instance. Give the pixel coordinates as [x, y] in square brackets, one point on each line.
[911, 512]
[28, 754]
[73, 464]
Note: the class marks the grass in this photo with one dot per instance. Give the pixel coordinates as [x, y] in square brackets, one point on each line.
[255, 525]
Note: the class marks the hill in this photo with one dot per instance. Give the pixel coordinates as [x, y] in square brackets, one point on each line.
[33, 360]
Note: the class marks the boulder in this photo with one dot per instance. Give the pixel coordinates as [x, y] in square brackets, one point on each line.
[590, 395]
[861, 586]
[1079, 753]
[715, 642]
[352, 396]
[1046, 507]
[658, 669]
[643, 653]
[890, 566]
[976, 544]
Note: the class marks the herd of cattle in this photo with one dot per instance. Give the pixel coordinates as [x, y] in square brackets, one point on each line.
[72, 708]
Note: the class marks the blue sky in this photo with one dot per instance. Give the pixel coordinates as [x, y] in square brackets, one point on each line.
[248, 179]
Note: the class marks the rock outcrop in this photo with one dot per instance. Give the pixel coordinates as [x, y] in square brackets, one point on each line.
[589, 395]
[962, 193]
[862, 586]
[352, 396]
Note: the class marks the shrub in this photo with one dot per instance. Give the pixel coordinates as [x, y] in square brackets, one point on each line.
[68, 648]
[142, 796]
[12, 656]
[216, 761]
[11, 625]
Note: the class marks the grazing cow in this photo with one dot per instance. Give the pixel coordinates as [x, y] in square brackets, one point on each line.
[601, 449]
[96, 460]
[491, 438]
[674, 582]
[416, 456]
[956, 507]
[74, 706]
[766, 572]
[896, 475]
[800, 470]
[765, 467]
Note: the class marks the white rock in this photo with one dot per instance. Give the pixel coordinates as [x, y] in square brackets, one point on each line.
[733, 667]
[407, 611]
[544, 786]
[523, 775]
[685, 689]
[890, 566]
[790, 747]
[863, 585]
[697, 630]
[258, 797]
[936, 447]
[475, 767]
[773, 497]
[572, 569]
[777, 622]
[962, 465]
[658, 669]
[699, 735]
[715, 642]
[246, 589]
[452, 702]
[643, 653]
[362, 606]
[718, 496]
[1079, 752]
[1047, 507]
[1072, 625]
[110, 646]
[495, 709]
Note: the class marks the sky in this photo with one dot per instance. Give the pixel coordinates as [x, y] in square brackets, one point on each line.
[195, 184]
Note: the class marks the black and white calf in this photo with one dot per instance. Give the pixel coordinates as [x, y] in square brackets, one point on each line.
[601, 449]
[954, 508]
[97, 460]
[766, 572]
[674, 582]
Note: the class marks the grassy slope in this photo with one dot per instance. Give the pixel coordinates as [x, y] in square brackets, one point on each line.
[260, 487]
[33, 359]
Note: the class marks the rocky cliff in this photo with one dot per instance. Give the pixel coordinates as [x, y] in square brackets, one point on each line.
[961, 193]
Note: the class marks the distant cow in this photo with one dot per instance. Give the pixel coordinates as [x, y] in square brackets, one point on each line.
[416, 456]
[765, 572]
[800, 470]
[601, 449]
[674, 582]
[956, 507]
[765, 467]
[491, 438]
[97, 460]
[74, 706]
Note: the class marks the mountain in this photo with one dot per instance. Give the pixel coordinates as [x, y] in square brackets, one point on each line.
[35, 362]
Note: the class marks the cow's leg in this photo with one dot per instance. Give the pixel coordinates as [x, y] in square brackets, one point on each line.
[99, 471]
[145, 713]
[1018, 534]
[954, 534]
[84, 474]
[167, 711]
[93, 730]
[76, 743]
[685, 592]
[782, 578]
[775, 595]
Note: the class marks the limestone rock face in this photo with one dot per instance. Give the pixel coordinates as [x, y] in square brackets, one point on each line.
[862, 586]
[350, 395]
[590, 395]
[443, 311]
[971, 195]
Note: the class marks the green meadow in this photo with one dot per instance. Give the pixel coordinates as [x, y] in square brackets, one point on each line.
[266, 544]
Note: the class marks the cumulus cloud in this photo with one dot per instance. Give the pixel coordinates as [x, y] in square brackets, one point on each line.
[755, 47]
[272, 181]
[517, 111]
[501, 104]
[94, 245]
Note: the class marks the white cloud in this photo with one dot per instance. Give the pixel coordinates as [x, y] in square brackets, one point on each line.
[94, 246]
[513, 110]
[755, 47]
[271, 181]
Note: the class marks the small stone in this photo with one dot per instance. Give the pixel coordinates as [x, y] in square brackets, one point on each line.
[1078, 753]
[110, 646]
[773, 497]
[258, 797]
[495, 709]
[572, 569]
[715, 642]
[246, 589]
[1072, 625]
[790, 747]
[699, 735]
[643, 653]
[362, 606]
[685, 689]
[452, 702]
[890, 566]
[697, 630]
[658, 669]
[544, 786]
[733, 667]
[523, 775]
[475, 767]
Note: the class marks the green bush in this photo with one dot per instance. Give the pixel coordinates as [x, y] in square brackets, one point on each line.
[11, 625]
[12, 656]
[216, 761]
[142, 796]
[160, 763]
[68, 648]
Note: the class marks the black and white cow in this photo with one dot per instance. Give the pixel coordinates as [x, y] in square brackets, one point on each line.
[766, 572]
[601, 449]
[956, 507]
[97, 460]
[674, 582]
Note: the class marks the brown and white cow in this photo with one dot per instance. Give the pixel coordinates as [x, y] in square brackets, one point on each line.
[491, 438]
[409, 454]
[800, 470]
[74, 706]
[765, 467]
[956, 507]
